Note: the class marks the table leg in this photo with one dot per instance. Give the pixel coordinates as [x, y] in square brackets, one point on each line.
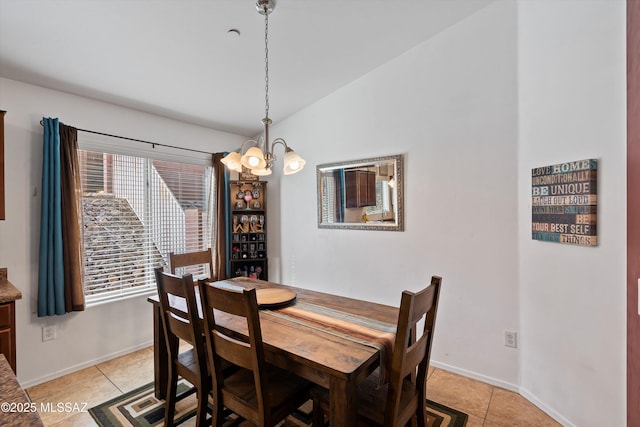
[343, 403]
[160, 357]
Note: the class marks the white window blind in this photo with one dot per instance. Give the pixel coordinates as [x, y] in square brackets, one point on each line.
[136, 210]
[328, 199]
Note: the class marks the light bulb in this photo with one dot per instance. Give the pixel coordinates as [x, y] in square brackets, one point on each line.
[292, 162]
[253, 161]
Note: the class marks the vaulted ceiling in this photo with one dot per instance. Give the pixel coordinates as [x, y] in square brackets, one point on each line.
[175, 58]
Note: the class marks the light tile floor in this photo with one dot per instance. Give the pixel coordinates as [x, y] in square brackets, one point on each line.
[486, 405]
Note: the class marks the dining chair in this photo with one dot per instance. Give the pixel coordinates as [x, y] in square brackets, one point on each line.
[189, 259]
[180, 321]
[256, 391]
[403, 398]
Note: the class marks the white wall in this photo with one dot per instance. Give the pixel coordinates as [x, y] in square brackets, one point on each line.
[514, 86]
[449, 105]
[99, 333]
[517, 85]
[572, 77]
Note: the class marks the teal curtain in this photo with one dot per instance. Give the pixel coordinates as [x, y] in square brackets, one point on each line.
[60, 281]
[51, 266]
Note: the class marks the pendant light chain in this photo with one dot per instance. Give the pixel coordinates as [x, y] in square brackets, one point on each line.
[259, 156]
[266, 64]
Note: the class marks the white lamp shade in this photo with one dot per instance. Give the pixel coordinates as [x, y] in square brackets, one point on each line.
[253, 159]
[261, 172]
[292, 162]
[232, 161]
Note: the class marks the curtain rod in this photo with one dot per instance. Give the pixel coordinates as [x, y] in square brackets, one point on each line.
[136, 140]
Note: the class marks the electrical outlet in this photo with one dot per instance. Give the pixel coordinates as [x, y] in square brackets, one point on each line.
[48, 333]
[510, 339]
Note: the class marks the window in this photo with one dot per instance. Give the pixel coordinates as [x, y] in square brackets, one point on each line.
[137, 208]
[332, 191]
[328, 199]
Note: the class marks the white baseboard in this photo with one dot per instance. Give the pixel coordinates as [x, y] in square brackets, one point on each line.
[549, 411]
[508, 386]
[475, 376]
[87, 364]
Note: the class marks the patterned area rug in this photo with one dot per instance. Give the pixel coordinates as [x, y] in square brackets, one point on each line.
[140, 408]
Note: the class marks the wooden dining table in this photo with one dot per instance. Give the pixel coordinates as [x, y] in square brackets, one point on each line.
[329, 360]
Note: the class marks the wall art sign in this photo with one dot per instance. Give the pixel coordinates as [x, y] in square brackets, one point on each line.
[564, 203]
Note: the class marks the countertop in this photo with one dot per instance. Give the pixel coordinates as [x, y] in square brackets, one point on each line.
[8, 292]
[15, 407]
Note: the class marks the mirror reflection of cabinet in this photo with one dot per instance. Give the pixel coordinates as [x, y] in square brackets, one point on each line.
[2, 213]
[360, 188]
[379, 204]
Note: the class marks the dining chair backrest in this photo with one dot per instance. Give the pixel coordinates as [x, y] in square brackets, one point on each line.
[189, 259]
[247, 353]
[411, 353]
[180, 321]
[403, 397]
[177, 302]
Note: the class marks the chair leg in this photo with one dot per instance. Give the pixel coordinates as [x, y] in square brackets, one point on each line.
[201, 412]
[421, 418]
[170, 404]
[217, 417]
[317, 418]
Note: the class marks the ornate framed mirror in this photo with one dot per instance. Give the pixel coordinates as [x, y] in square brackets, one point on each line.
[363, 194]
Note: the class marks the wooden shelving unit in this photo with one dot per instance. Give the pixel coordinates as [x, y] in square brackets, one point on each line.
[248, 229]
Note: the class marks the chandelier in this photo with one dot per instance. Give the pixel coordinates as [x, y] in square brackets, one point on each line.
[258, 156]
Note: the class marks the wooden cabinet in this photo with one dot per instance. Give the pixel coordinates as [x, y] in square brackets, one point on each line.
[360, 188]
[248, 229]
[8, 332]
[8, 296]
